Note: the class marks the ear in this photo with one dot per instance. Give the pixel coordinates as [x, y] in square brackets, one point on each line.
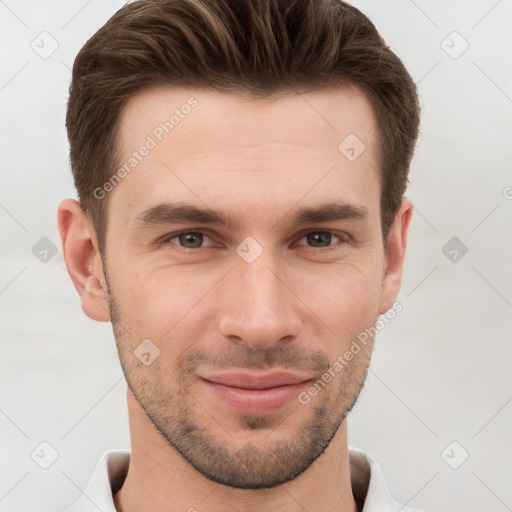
[394, 255]
[83, 259]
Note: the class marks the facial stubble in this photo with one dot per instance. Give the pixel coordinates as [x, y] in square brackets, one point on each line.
[200, 435]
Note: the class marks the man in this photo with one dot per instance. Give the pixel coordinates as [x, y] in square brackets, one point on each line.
[240, 167]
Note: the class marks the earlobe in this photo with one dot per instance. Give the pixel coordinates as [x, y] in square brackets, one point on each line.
[395, 255]
[83, 259]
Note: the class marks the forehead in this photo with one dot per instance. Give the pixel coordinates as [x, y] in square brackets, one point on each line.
[316, 119]
[197, 146]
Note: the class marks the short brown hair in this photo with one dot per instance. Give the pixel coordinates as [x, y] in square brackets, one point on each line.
[257, 48]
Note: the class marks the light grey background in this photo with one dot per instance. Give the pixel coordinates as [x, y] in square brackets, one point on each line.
[441, 369]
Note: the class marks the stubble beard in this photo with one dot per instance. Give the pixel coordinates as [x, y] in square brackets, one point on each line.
[205, 444]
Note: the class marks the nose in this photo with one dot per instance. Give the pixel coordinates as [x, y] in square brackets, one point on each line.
[259, 309]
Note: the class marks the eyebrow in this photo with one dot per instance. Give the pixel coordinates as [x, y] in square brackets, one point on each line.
[166, 213]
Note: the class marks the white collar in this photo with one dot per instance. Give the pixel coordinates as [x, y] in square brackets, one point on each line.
[366, 477]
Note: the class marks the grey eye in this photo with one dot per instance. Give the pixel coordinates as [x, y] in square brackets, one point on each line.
[319, 238]
[189, 239]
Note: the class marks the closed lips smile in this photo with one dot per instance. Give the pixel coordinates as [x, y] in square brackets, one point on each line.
[252, 394]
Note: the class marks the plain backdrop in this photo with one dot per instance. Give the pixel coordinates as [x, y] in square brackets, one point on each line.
[436, 411]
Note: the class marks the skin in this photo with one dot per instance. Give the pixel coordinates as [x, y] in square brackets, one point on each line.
[297, 306]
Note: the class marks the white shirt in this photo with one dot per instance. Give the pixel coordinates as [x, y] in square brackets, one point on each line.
[366, 477]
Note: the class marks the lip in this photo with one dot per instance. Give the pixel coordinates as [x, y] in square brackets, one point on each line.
[246, 380]
[256, 394]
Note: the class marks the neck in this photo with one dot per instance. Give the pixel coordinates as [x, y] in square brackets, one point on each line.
[159, 479]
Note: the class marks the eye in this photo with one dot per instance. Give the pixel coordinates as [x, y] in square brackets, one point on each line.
[188, 239]
[321, 239]
[193, 240]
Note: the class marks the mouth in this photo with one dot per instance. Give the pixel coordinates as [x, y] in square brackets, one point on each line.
[255, 394]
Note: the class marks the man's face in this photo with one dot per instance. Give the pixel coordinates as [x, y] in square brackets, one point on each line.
[266, 293]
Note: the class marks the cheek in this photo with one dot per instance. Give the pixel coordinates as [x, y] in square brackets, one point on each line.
[173, 303]
[165, 304]
[346, 296]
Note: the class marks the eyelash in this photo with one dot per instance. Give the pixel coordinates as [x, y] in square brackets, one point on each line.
[343, 237]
